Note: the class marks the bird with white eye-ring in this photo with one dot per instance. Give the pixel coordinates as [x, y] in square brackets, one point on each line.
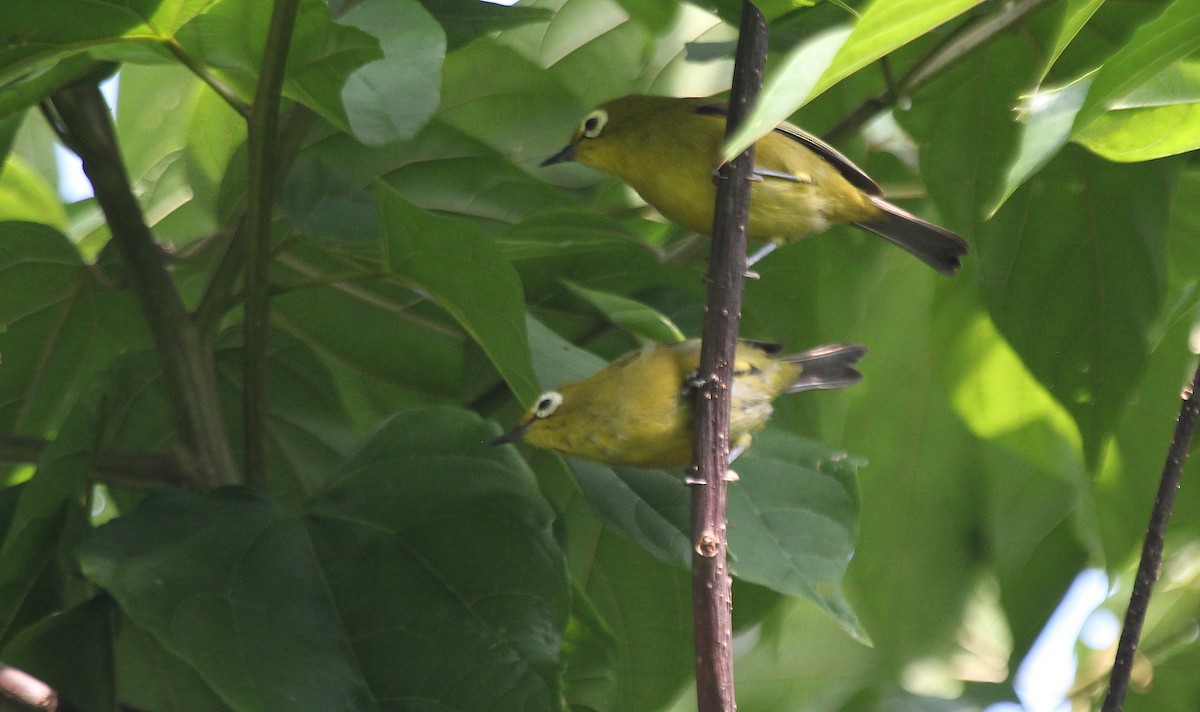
[638, 409]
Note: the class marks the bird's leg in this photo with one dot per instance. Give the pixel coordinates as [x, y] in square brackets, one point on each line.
[759, 254]
[692, 383]
[734, 453]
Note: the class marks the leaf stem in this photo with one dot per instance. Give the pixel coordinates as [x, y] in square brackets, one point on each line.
[222, 89]
[81, 117]
[967, 38]
[262, 144]
[712, 601]
[1150, 566]
[130, 470]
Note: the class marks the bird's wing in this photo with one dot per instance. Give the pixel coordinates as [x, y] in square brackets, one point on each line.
[832, 156]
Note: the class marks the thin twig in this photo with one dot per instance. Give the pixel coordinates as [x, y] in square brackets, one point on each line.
[219, 297]
[214, 82]
[21, 692]
[1152, 549]
[712, 602]
[968, 38]
[262, 142]
[120, 468]
[81, 117]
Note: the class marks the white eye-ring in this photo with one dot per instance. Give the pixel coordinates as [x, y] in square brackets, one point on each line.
[594, 124]
[547, 403]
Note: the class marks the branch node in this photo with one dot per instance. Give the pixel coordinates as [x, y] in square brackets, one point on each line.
[708, 546]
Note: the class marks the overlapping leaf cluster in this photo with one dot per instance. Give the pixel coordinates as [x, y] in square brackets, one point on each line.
[429, 277]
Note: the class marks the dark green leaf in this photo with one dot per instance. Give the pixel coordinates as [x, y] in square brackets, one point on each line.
[204, 573]
[48, 504]
[150, 678]
[53, 300]
[1074, 280]
[72, 653]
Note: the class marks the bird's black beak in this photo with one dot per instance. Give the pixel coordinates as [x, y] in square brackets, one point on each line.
[511, 436]
[567, 154]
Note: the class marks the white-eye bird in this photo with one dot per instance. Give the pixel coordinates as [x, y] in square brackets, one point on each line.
[638, 409]
[668, 149]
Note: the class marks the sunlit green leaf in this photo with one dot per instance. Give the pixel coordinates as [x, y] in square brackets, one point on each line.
[884, 26]
[1155, 46]
[786, 89]
[392, 98]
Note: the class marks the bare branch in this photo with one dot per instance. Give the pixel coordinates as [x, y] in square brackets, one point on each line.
[81, 117]
[712, 602]
[1152, 548]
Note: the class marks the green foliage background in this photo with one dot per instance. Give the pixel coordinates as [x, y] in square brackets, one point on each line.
[429, 279]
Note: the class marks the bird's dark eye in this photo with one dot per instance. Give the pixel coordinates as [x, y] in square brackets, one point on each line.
[547, 404]
[594, 124]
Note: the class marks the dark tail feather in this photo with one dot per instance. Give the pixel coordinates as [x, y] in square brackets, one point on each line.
[935, 246]
[825, 367]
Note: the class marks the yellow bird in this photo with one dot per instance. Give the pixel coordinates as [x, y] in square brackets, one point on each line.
[668, 148]
[638, 409]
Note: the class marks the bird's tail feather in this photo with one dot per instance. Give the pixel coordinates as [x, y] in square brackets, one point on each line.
[935, 246]
[825, 367]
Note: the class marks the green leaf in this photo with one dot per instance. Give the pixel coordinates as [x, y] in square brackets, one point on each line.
[1158, 119]
[412, 345]
[440, 169]
[793, 520]
[787, 88]
[52, 299]
[49, 501]
[40, 33]
[490, 93]
[884, 26]
[463, 270]
[25, 196]
[20, 94]
[1075, 18]
[639, 653]
[630, 314]
[648, 507]
[974, 98]
[1073, 278]
[919, 502]
[72, 653]
[392, 98]
[584, 248]
[1047, 128]
[1155, 46]
[381, 595]
[463, 20]
[229, 40]
[654, 14]
[151, 678]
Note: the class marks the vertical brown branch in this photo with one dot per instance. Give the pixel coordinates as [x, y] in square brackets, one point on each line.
[1152, 548]
[262, 142]
[712, 602]
[81, 117]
